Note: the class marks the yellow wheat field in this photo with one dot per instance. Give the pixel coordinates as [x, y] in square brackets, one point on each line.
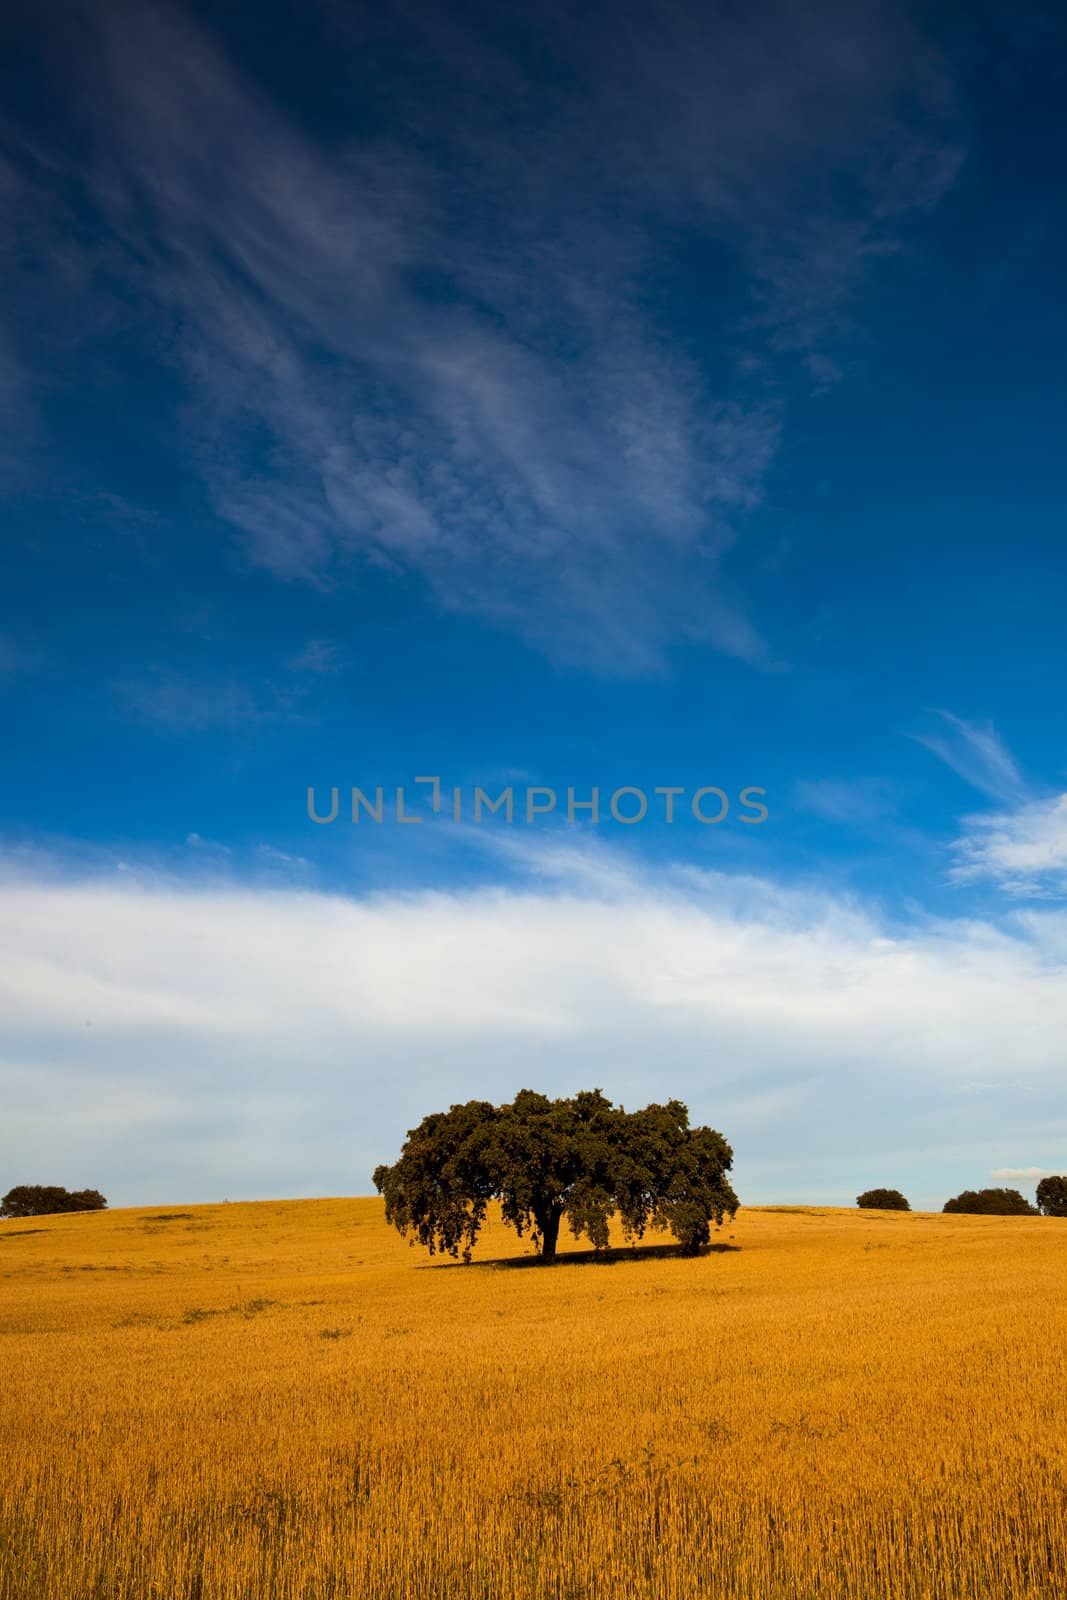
[284, 1400]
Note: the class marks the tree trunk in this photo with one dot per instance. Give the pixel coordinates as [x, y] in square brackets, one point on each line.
[548, 1228]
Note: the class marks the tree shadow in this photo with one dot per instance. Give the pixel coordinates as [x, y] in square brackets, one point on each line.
[612, 1257]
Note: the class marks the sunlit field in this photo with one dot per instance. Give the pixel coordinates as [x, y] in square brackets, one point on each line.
[285, 1400]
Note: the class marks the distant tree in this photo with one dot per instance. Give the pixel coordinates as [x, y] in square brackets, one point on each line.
[882, 1200]
[991, 1203]
[544, 1160]
[1052, 1197]
[41, 1200]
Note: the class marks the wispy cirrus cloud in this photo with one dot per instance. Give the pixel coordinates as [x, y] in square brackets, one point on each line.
[182, 704]
[448, 342]
[980, 757]
[320, 657]
[856, 801]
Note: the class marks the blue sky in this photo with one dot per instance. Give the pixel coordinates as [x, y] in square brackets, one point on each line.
[549, 397]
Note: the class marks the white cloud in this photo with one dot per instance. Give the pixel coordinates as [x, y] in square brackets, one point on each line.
[1022, 847]
[1022, 1174]
[281, 1039]
[1023, 852]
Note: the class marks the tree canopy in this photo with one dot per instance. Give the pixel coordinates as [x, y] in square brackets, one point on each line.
[43, 1200]
[581, 1159]
[991, 1203]
[1052, 1196]
[882, 1200]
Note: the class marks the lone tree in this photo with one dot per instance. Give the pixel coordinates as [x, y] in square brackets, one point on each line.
[1052, 1197]
[882, 1200]
[991, 1203]
[582, 1159]
[40, 1200]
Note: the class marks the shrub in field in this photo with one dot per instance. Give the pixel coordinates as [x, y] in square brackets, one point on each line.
[882, 1200]
[584, 1159]
[991, 1203]
[1052, 1197]
[45, 1200]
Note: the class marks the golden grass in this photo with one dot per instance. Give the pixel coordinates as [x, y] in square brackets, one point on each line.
[284, 1402]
